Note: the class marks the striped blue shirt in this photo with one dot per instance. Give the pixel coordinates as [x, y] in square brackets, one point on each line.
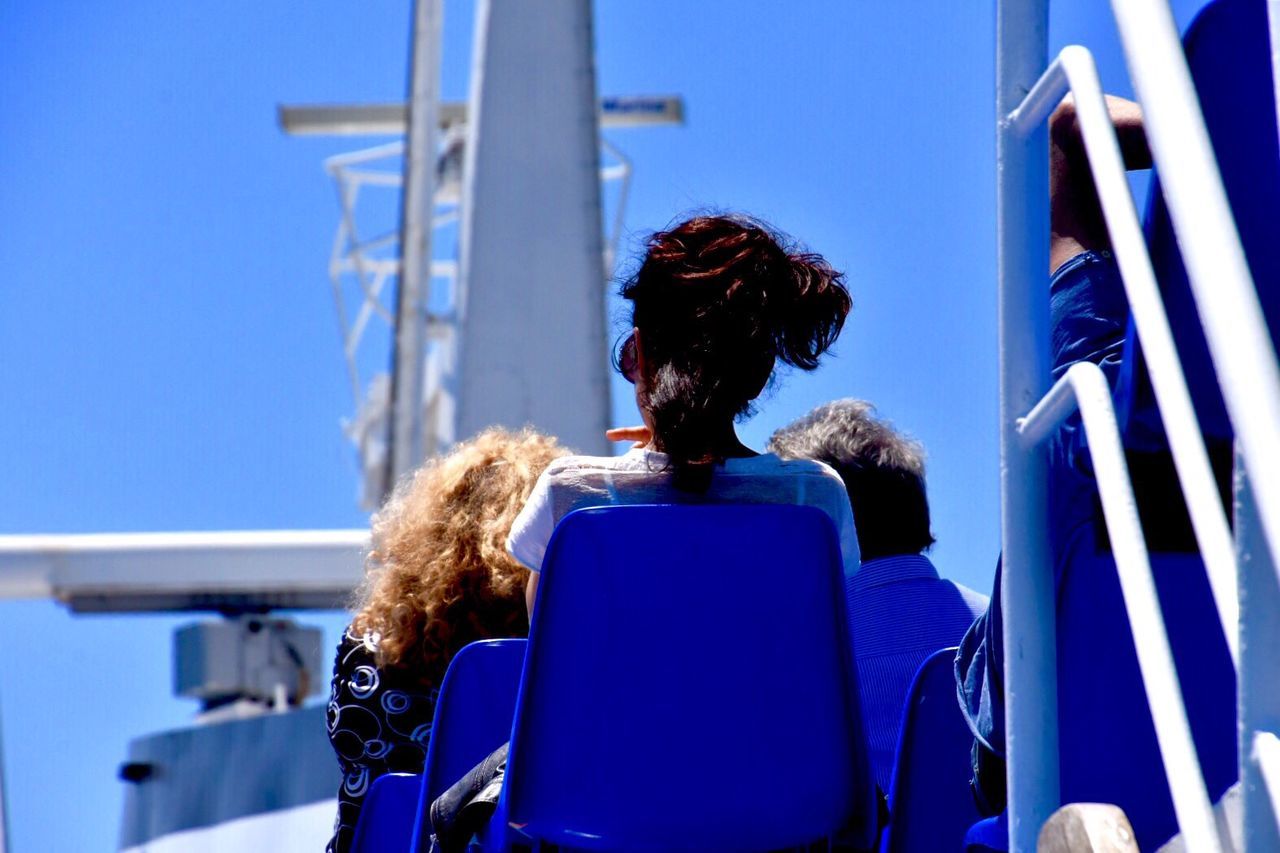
[900, 612]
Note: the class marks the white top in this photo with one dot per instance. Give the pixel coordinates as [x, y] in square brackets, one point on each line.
[639, 477]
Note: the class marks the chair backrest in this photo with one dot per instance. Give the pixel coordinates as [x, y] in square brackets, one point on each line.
[930, 803]
[689, 684]
[1108, 747]
[387, 815]
[989, 835]
[1229, 56]
[473, 717]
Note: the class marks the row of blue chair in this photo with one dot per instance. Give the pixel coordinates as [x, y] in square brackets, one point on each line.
[930, 808]
[683, 692]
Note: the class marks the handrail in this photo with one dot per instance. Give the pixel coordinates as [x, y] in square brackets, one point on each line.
[1273, 27]
[1266, 754]
[1226, 300]
[1084, 387]
[1242, 355]
[1259, 690]
[1074, 71]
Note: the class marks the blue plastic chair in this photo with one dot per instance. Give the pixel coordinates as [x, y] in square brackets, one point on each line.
[988, 836]
[474, 710]
[688, 686]
[1228, 53]
[387, 816]
[930, 802]
[1109, 751]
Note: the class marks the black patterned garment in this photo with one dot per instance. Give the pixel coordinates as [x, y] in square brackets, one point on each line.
[379, 722]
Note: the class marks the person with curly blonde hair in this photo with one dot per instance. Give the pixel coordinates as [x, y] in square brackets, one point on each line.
[438, 576]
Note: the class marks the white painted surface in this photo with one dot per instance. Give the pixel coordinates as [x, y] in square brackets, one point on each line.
[306, 829]
[532, 277]
[1226, 300]
[228, 562]
[392, 119]
[1022, 236]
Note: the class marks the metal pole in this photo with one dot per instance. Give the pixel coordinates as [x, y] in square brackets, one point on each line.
[415, 241]
[1084, 387]
[1259, 687]
[1273, 21]
[1022, 213]
[4, 800]
[533, 321]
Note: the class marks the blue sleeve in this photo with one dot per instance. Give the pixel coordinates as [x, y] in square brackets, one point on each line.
[980, 675]
[1088, 321]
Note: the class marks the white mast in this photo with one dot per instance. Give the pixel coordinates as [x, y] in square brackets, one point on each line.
[415, 252]
[532, 281]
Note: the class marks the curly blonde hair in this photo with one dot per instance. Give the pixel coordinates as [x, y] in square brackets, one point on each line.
[438, 575]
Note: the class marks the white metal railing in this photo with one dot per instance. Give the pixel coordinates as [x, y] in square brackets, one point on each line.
[1266, 754]
[1273, 28]
[1242, 355]
[1074, 71]
[1259, 688]
[1084, 387]
[1226, 300]
[371, 263]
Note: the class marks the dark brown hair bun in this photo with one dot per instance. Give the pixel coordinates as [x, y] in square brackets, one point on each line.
[718, 300]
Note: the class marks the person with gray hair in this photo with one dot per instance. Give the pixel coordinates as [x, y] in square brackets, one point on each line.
[900, 609]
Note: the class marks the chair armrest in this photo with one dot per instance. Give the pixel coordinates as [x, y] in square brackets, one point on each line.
[474, 711]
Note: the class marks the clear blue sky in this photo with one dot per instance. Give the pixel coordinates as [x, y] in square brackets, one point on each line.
[168, 353]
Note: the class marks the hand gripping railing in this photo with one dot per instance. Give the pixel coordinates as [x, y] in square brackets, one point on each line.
[1085, 387]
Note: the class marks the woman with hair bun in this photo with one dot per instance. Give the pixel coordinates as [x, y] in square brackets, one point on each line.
[438, 577]
[716, 303]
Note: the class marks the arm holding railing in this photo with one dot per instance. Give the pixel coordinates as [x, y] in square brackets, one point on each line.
[1076, 221]
[1089, 315]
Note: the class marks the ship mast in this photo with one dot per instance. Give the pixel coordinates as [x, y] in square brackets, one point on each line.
[417, 205]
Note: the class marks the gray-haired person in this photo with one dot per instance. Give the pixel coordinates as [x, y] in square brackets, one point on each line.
[900, 610]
